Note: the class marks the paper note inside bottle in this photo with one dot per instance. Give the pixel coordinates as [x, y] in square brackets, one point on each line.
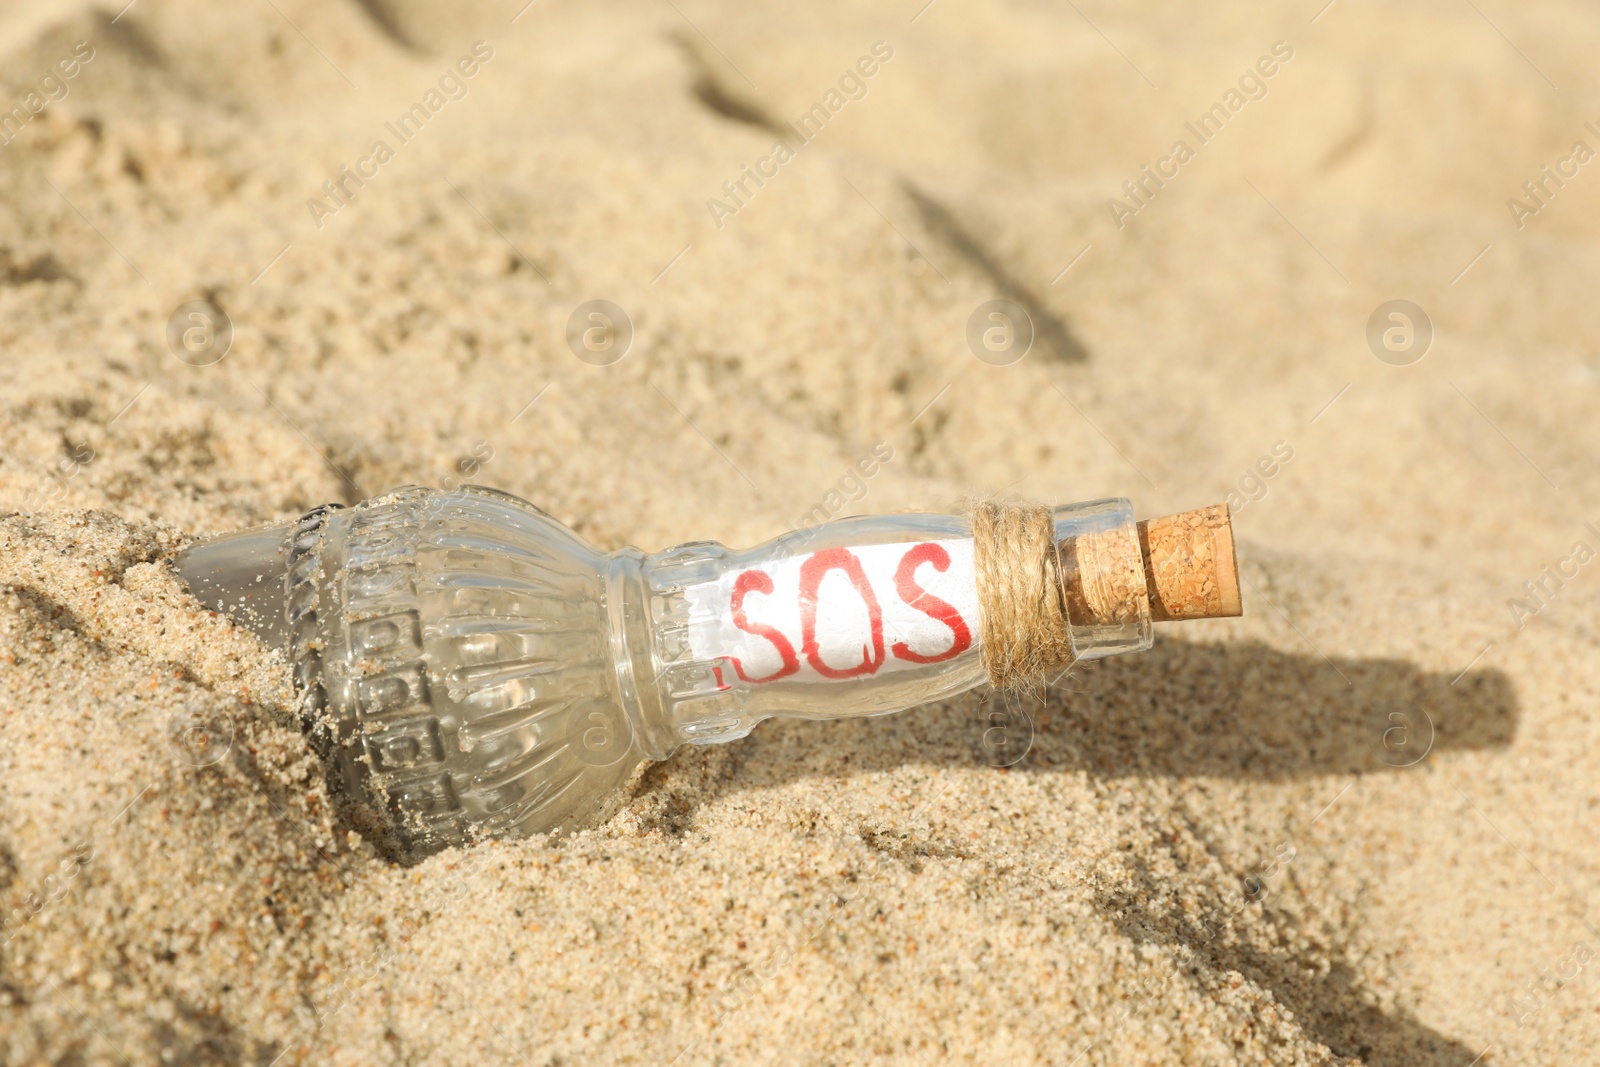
[839, 613]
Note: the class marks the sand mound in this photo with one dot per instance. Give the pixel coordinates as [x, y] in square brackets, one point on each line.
[1354, 826]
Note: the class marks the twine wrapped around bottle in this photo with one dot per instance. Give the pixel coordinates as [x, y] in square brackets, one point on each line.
[1021, 612]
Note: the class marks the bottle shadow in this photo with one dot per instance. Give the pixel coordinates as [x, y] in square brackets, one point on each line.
[1238, 710]
[1244, 710]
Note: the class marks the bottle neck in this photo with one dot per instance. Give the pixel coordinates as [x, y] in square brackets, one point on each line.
[858, 617]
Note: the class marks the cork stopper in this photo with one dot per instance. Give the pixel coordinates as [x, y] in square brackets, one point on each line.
[1189, 565]
[1101, 579]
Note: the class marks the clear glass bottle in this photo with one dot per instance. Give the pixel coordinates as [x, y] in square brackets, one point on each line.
[469, 666]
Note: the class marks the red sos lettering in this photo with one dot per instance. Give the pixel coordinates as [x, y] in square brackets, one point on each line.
[905, 584]
[873, 653]
[811, 575]
[760, 582]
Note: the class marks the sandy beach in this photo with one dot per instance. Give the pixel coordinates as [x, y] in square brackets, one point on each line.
[1358, 825]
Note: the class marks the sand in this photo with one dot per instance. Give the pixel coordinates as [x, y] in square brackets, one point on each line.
[1357, 825]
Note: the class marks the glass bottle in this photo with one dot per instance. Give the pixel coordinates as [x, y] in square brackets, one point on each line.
[468, 666]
